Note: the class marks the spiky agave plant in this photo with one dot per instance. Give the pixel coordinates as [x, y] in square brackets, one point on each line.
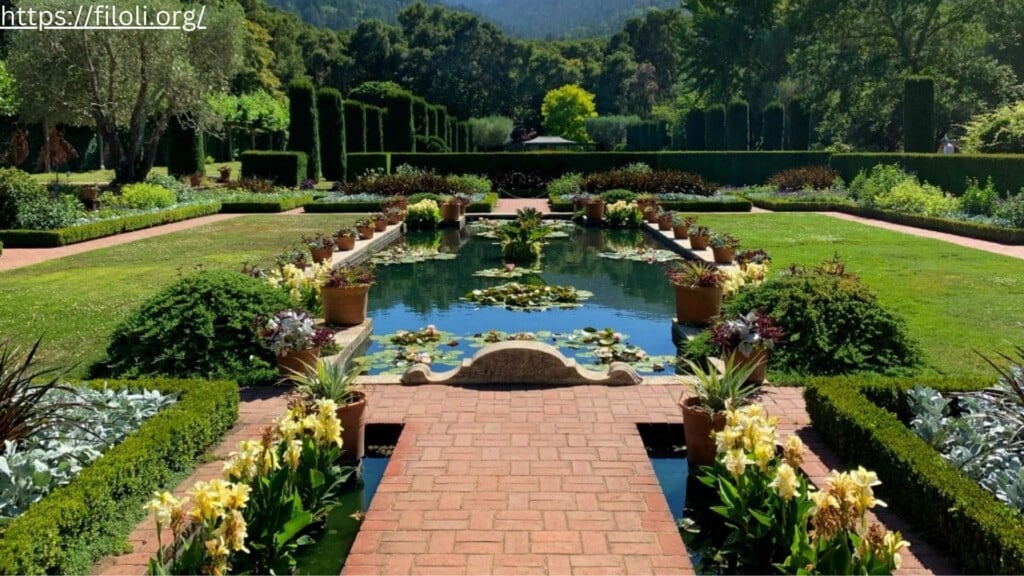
[22, 389]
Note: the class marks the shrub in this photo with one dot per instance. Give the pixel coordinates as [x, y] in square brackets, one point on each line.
[303, 126]
[407, 183]
[979, 200]
[919, 114]
[398, 102]
[617, 195]
[331, 118]
[998, 131]
[608, 132]
[17, 189]
[696, 126]
[355, 126]
[816, 177]
[774, 117]
[834, 322]
[182, 192]
[423, 213]
[478, 184]
[186, 153]
[144, 196]
[651, 182]
[436, 144]
[714, 131]
[200, 326]
[46, 214]
[623, 213]
[284, 168]
[912, 197]
[738, 125]
[882, 178]
[491, 133]
[799, 126]
[565, 185]
[1011, 210]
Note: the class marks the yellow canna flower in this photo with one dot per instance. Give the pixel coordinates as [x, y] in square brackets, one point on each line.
[236, 495]
[208, 507]
[793, 451]
[293, 454]
[822, 500]
[893, 542]
[785, 482]
[161, 506]
[736, 462]
[764, 452]
[233, 532]
[326, 406]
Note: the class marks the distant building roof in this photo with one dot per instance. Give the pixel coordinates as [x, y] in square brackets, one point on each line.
[550, 141]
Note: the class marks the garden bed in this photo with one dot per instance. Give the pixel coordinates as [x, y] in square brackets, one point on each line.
[102, 228]
[695, 204]
[860, 418]
[486, 206]
[263, 203]
[76, 524]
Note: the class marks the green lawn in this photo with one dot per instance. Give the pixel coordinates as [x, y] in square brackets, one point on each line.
[955, 300]
[75, 302]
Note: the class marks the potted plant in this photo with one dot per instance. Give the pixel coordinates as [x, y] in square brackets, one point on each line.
[365, 227]
[681, 225]
[321, 246]
[295, 339]
[345, 293]
[463, 200]
[650, 213]
[195, 180]
[747, 340]
[665, 219]
[334, 381]
[699, 288]
[758, 256]
[723, 246]
[293, 256]
[398, 202]
[345, 239]
[593, 207]
[225, 174]
[394, 215]
[449, 209]
[704, 412]
[380, 222]
[647, 200]
[699, 237]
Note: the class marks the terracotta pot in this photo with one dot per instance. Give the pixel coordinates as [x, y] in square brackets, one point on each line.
[698, 305]
[195, 180]
[297, 361]
[394, 219]
[462, 208]
[345, 243]
[322, 254]
[699, 427]
[723, 255]
[365, 232]
[699, 242]
[594, 211]
[89, 193]
[760, 357]
[380, 225]
[450, 212]
[353, 429]
[345, 306]
[651, 216]
[681, 232]
[665, 223]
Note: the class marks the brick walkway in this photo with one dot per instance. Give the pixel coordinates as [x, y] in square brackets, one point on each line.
[510, 205]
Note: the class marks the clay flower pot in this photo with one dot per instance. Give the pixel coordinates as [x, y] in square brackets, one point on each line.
[365, 232]
[353, 426]
[699, 427]
[450, 212]
[321, 254]
[594, 212]
[380, 225]
[698, 305]
[345, 306]
[665, 222]
[741, 361]
[681, 232]
[699, 242]
[345, 243]
[297, 361]
[723, 255]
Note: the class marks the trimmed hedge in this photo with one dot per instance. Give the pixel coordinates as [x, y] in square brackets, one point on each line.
[398, 102]
[947, 171]
[919, 114]
[355, 126]
[774, 122]
[799, 126]
[265, 206]
[737, 125]
[284, 168]
[185, 151]
[1011, 236]
[303, 127]
[977, 532]
[484, 207]
[714, 127]
[76, 524]
[375, 120]
[358, 164]
[695, 128]
[93, 230]
[331, 118]
[732, 205]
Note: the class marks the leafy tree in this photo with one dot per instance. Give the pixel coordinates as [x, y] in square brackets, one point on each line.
[128, 83]
[565, 111]
[8, 97]
[491, 132]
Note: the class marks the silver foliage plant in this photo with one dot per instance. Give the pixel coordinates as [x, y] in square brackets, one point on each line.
[90, 422]
[986, 440]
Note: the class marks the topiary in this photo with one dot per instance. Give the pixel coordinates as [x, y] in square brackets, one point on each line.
[203, 325]
[17, 189]
[833, 323]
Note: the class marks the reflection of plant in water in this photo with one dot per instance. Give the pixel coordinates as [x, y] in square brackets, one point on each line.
[516, 296]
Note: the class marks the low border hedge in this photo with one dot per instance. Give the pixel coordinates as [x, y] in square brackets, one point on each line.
[265, 206]
[484, 207]
[76, 524]
[1011, 236]
[733, 205]
[93, 230]
[858, 417]
[284, 168]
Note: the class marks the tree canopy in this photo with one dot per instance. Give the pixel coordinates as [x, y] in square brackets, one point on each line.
[566, 110]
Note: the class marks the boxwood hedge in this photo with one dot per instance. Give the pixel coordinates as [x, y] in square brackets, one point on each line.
[76, 524]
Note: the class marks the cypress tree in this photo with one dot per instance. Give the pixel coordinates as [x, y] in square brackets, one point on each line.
[303, 129]
[919, 114]
[355, 126]
[774, 123]
[714, 131]
[737, 125]
[799, 126]
[186, 154]
[664, 135]
[695, 126]
[331, 116]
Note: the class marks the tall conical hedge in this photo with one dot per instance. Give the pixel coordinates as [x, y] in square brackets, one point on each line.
[331, 116]
[799, 126]
[376, 119]
[774, 118]
[355, 126]
[186, 154]
[303, 129]
[919, 114]
[714, 127]
[737, 124]
[696, 124]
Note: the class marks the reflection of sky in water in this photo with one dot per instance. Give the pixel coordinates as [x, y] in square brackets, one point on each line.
[633, 298]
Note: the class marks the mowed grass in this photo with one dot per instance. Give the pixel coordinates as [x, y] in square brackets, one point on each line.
[75, 302]
[955, 300]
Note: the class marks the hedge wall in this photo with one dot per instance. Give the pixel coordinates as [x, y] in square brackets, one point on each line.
[93, 230]
[376, 118]
[919, 115]
[265, 206]
[359, 164]
[303, 126]
[76, 524]
[737, 125]
[284, 168]
[185, 151]
[695, 128]
[331, 118]
[355, 126]
[947, 171]
[401, 133]
[976, 531]
[773, 132]
[799, 126]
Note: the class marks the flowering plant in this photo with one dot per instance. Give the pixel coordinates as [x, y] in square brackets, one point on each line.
[623, 214]
[377, 217]
[319, 241]
[695, 274]
[700, 231]
[295, 257]
[292, 331]
[752, 332]
[678, 220]
[424, 213]
[364, 223]
[758, 256]
[346, 233]
[724, 240]
[301, 284]
[349, 276]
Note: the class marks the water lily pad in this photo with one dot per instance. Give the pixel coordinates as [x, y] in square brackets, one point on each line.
[528, 297]
[405, 254]
[508, 271]
[649, 255]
